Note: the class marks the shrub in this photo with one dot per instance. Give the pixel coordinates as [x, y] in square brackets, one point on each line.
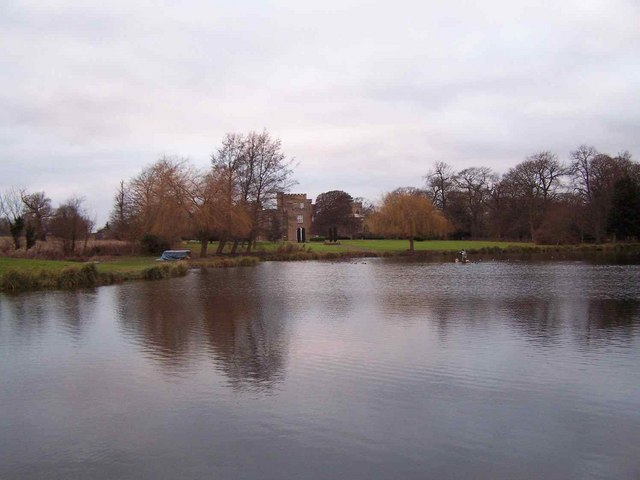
[153, 244]
[15, 280]
[154, 273]
[166, 270]
[72, 277]
[30, 236]
[248, 261]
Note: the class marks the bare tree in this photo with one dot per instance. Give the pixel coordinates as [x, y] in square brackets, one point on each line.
[38, 211]
[71, 223]
[594, 176]
[267, 171]
[228, 164]
[475, 186]
[582, 170]
[533, 184]
[12, 211]
[255, 169]
[440, 181]
[121, 219]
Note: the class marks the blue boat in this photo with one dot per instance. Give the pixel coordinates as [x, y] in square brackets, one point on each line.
[171, 255]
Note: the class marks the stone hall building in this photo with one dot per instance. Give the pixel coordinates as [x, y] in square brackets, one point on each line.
[292, 218]
[294, 211]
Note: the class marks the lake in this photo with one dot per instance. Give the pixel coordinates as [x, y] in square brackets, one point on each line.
[362, 369]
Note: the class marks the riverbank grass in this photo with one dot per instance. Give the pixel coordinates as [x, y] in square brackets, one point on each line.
[19, 274]
[27, 274]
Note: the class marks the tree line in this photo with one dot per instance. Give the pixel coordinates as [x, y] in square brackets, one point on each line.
[592, 197]
[225, 201]
[32, 217]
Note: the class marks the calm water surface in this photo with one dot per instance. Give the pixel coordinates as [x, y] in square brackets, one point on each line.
[371, 369]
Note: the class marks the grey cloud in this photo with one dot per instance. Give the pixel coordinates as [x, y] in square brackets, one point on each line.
[365, 95]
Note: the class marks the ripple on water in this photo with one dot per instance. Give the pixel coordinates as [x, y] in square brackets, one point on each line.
[328, 370]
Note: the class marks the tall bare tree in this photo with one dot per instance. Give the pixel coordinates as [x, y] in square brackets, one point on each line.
[440, 182]
[255, 169]
[582, 170]
[533, 184]
[228, 164]
[475, 186]
[121, 219]
[267, 171]
[594, 175]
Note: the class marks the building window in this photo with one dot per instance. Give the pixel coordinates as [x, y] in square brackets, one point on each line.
[300, 219]
[301, 206]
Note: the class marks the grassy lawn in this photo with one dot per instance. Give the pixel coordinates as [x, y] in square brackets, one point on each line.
[126, 264]
[28, 264]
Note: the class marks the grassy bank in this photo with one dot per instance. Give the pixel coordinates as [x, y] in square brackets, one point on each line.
[19, 274]
[26, 274]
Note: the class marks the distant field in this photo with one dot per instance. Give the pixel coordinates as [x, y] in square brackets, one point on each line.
[370, 245]
[435, 245]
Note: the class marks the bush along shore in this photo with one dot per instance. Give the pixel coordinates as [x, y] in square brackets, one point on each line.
[84, 276]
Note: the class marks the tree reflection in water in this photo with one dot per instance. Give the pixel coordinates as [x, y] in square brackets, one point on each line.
[219, 315]
[543, 301]
[32, 313]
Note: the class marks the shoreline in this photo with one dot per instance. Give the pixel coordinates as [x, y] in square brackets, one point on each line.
[94, 274]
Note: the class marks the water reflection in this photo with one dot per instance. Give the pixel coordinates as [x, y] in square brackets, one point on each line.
[28, 314]
[602, 322]
[542, 301]
[243, 330]
[31, 314]
[163, 322]
[222, 316]
[76, 311]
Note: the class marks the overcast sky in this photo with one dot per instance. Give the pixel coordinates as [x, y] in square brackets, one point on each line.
[365, 95]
